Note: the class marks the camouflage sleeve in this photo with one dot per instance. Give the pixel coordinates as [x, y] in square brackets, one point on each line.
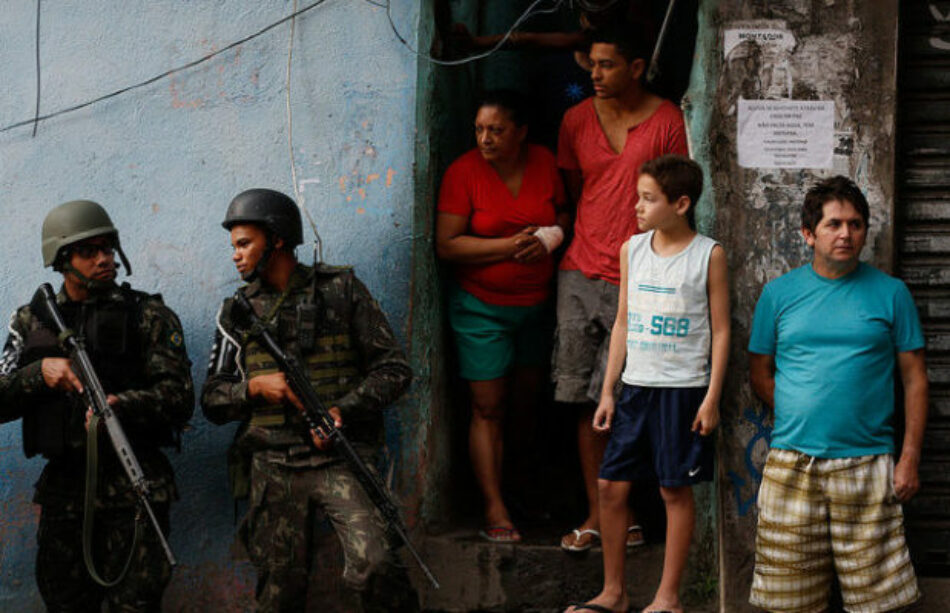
[18, 382]
[168, 398]
[386, 369]
[224, 393]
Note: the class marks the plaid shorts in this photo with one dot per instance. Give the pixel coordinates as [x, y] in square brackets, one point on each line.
[819, 516]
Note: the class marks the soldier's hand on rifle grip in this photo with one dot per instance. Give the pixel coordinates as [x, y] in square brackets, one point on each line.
[273, 388]
[319, 437]
[58, 374]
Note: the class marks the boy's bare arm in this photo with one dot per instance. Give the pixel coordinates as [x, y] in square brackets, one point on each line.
[717, 287]
[719, 319]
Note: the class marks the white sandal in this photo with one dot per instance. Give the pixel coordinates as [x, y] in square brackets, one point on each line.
[578, 534]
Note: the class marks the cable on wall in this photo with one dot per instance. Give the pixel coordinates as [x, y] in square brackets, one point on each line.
[167, 73]
[290, 114]
[36, 113]
[529, 12]
[318, 242]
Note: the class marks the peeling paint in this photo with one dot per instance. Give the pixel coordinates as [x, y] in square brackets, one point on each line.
[845, 53]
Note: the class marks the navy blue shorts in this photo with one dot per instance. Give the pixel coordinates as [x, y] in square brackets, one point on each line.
[651, 437]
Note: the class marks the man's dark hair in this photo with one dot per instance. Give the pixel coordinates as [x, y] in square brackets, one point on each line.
[631, 41]
[677, 176]
[511, 101]
[838, 188]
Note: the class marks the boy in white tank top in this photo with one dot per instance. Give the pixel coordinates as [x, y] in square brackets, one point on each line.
[672, 328]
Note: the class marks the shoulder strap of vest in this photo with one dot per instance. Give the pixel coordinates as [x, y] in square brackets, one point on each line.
[138, 297]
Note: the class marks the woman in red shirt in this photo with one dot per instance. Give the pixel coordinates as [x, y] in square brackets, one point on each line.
[500, 215]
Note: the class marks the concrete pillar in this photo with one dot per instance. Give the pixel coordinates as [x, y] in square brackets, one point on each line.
[840, 51]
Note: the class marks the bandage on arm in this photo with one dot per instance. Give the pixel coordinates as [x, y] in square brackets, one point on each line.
[550, 236]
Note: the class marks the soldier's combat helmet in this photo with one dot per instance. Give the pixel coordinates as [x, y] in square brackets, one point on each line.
[72, 222]
[276, 212]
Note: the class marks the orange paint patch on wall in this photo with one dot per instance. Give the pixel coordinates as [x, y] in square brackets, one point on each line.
[372, 177]
[389, 177]
[342, 184]
[177, 102]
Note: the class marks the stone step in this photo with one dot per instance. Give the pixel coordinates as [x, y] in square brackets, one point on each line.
[479, 576]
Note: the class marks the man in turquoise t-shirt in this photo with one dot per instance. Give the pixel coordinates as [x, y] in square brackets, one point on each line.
[826, 340]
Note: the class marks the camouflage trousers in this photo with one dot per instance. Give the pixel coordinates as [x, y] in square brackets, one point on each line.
[61, 575]
[280, 534]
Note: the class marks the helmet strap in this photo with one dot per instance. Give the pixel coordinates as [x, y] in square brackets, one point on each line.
[125, 260]
[90, 284]
[93, 284]
[261, 263]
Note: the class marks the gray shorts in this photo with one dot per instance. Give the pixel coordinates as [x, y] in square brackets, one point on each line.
[586, 309]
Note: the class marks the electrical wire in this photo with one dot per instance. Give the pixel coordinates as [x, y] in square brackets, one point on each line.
[167, 73]
[318, 242]
[529, 12]
[290, 115]
[388, 6]
[36, 113]
[654, 69]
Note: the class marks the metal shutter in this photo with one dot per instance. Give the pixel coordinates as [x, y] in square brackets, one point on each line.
[923, 211]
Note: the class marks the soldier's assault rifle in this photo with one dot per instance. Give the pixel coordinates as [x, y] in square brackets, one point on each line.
[318, 418]
[44, 307]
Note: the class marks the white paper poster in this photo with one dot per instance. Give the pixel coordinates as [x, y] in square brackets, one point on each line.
[786, 133]
[772, 40]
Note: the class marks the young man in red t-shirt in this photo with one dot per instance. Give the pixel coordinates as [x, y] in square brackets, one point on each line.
[602, 143]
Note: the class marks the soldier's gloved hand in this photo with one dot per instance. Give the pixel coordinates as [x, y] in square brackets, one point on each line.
[58, 374]
[273, 389]
[319, 437]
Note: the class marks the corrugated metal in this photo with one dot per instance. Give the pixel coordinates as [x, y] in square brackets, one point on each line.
[923, 208]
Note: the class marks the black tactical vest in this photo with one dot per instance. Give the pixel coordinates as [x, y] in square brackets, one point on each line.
[111, 331]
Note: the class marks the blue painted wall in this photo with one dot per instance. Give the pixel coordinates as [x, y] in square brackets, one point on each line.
[165, 160]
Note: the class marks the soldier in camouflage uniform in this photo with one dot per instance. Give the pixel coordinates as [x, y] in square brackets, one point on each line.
[327, 318]
[137, 348]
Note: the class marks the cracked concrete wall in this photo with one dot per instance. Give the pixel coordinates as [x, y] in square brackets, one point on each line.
[838, 50]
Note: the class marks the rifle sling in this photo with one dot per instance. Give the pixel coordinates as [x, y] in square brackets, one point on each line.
[89, 512]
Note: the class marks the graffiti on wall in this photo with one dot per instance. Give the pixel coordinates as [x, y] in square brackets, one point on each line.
[745, 488]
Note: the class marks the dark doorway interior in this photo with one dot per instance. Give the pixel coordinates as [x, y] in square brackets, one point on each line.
[543, 485]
